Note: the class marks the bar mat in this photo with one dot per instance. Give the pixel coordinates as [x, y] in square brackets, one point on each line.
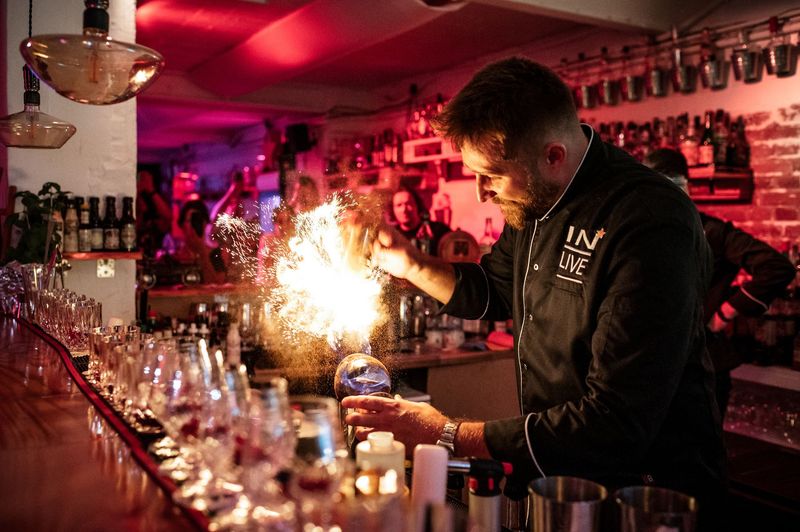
[137, 442]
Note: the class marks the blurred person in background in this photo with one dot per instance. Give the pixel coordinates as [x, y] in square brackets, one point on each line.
[734, 250]
[153, 215]
[305, 195]
[412, 219]
[194, 223]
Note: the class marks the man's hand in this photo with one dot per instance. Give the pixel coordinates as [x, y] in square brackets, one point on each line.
[394, 254]
[716, 323]
[412, 423]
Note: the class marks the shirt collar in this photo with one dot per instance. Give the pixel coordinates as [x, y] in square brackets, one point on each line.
[589, 132]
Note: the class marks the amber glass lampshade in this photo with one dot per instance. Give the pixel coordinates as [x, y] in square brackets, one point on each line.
[31, 128]
[92, 68]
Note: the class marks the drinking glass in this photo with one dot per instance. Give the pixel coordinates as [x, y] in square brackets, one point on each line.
[320, 457]
[263, 450]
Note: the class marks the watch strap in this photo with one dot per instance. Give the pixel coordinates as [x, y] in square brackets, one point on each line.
[448, 436]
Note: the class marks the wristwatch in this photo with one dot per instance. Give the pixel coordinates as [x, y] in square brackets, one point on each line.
[448, 437]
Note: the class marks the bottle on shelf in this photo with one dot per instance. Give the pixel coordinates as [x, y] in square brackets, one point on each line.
[742, 154]
[127, 232]
[84, 230]
[487, 240]
[721, 126]
[111, 225]
[424, 235]
[94, 224]
[71, 223]
[706, 149]
[687, 140]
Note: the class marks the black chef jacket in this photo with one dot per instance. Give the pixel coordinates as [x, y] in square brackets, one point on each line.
[606, 291]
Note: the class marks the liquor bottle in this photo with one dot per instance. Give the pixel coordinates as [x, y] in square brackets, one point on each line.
[71, 228]
[84, 230]
[721, 126]
[619, 135]
[742, 154]
[94, 224]
[111, 225]
[127, 232]
[705, 151]
[687, 143]
[424, 235]
[645, 146]
[487, 240]
[732, 148]
[631, 137]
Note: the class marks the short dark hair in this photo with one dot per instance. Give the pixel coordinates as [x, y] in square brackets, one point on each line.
[669, 162]
[199, 218]
[422, 210]
[506, 105]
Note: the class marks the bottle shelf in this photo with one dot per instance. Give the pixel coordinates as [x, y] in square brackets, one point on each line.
[712, 184]
[101, 255]
[200, 290]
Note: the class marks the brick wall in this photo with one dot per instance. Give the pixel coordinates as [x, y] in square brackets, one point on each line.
[774, 214]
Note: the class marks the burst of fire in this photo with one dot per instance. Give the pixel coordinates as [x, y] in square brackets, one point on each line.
[319, 291]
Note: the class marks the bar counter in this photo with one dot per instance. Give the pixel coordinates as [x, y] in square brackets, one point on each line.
[63, 466]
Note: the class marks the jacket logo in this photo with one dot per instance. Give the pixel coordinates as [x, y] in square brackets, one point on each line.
[576, 252]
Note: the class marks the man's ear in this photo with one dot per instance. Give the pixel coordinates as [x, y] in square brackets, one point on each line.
[555, 153]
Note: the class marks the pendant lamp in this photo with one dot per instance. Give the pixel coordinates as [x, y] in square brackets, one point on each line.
[92, 68]
[31, 128]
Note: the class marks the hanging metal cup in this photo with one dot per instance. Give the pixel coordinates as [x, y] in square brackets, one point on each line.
[656, 82]
[632, 87]
[714, 73]
[684, 76]
[781, 60]
[586, 96]
[747, 64]
[608, 91]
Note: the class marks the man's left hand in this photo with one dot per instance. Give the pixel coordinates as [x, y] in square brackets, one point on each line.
[412, 423]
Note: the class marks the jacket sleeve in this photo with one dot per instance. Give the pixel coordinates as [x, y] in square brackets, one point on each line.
[647, 322]
[483, 290]
[770, 272]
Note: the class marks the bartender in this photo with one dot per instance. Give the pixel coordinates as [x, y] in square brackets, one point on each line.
[603, 266]
[412, 220]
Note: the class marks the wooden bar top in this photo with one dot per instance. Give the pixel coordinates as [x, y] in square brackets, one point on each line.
[63, 467]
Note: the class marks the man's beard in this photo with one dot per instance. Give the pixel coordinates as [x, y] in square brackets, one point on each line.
[540, 197]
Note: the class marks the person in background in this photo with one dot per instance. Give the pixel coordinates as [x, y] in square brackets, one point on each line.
[734, 250]
[231, 202]
[412, 220]
[193, 221]
[305, 195]
[153, 215]
[603, 266]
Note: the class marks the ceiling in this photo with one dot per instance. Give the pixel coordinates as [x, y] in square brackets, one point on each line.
[234, 63]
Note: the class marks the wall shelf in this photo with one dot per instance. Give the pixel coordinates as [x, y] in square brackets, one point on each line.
[102, 255]
[712, 184]
[201, 290]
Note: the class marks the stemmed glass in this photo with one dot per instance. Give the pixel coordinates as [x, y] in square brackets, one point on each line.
[268, 448]
[214, 487]
[181, 411]
[321, 458]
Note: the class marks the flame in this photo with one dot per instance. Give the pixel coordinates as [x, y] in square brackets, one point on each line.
[319, 291]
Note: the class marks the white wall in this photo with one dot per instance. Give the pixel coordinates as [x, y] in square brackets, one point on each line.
[100, 159]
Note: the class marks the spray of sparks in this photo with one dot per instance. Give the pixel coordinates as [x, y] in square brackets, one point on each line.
[318, 289]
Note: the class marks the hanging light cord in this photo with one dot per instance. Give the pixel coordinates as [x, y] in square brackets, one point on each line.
[30, 18]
